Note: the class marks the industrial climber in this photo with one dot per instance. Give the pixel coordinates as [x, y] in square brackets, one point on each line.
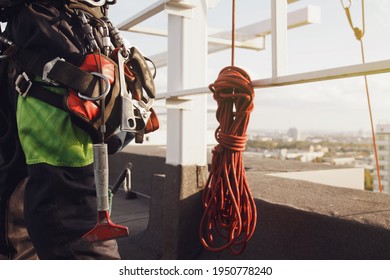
[73, 84]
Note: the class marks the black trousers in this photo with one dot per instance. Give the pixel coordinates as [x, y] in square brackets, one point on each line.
[60, 207]
[17, 245]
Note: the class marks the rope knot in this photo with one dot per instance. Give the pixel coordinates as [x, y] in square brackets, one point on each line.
[358, 33]
[234, 143]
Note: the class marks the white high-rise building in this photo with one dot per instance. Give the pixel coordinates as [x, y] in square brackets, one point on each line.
[383, 146]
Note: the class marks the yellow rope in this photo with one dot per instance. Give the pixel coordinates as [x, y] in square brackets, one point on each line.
[359, 33]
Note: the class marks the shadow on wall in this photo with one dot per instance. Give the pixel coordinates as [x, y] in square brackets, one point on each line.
[287, 233]
[282, 233]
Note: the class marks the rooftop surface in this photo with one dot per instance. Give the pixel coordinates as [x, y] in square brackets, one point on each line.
[296, 219]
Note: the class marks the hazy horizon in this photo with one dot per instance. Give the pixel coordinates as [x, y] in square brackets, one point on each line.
[338, 105]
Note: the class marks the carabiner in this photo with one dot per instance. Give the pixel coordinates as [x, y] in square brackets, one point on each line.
[104, 94]
[346, 6]
[96, 3]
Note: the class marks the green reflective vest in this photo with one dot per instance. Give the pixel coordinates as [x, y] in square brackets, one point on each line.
[48, 135]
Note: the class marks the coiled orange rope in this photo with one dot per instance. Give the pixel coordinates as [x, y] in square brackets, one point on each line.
[230, 210]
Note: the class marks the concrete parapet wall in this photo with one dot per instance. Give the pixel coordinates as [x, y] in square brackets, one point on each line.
[296, 219]
[284, 232]
[144, 166]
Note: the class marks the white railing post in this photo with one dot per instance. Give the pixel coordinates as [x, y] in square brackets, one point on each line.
[279, 37]
[186, 158]
[187, 68]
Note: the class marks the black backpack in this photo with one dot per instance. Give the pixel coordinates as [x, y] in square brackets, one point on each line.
[9, 3]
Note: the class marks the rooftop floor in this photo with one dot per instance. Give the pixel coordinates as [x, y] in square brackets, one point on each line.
[296, 219]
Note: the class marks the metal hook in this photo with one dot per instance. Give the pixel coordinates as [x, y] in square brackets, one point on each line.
[88, 30]
[96, 3]
[346, 6]
[104, 94]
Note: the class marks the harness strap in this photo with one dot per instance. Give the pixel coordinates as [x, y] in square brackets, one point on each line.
[60, 71]
[26, 87]
[75, 78]
[36, 90]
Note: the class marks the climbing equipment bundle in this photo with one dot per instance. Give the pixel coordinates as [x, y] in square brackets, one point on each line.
[108, 74]
[109, 87]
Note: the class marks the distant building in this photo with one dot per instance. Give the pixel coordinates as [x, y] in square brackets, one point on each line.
[383, 146]
[292, 133]
[351, 161]
[299, 155]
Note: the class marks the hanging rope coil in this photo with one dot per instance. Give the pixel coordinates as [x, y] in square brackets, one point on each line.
[230, 210]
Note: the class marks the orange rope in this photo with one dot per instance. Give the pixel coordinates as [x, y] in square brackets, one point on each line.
[230, 210]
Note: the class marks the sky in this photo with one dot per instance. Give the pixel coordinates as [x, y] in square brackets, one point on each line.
[339, 105]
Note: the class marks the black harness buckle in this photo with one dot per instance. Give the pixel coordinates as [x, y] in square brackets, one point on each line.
[23, 84]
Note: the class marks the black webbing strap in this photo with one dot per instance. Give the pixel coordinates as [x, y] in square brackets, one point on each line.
[39, 90]
[74, 78]
[47, 96]
[26, 87]
[62, 72]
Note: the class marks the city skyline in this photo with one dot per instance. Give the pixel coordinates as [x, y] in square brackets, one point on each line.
[333, 105]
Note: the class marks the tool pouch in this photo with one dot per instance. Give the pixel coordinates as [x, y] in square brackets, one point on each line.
[140, 83]
[86, 113]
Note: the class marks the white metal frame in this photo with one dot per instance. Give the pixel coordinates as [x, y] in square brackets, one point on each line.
[186, 96]
[251, 36]
[349, 71]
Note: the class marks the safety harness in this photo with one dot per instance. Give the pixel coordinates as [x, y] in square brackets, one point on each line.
[109, 86]
[109, 75]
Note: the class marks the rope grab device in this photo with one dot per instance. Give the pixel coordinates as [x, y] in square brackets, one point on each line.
[229, 209]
